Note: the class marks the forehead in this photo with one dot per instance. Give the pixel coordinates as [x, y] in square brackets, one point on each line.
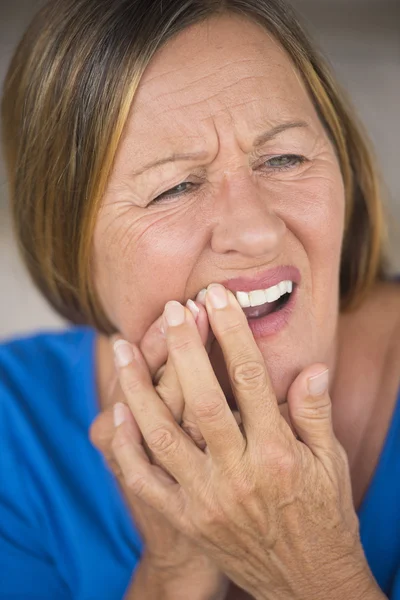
[226, 67]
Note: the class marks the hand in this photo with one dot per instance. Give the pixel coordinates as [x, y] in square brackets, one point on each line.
[275, 513]
[170, 555]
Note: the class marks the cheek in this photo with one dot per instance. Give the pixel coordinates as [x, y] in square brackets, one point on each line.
[314, 213]
[142, 260]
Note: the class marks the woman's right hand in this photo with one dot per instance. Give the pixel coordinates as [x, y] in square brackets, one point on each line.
[171, 557]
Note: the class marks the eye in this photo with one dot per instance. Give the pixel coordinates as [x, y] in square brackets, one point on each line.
[178, 190]
[285, 161]
[277, 163]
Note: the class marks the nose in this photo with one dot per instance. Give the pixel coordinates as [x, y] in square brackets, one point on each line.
[244, 221]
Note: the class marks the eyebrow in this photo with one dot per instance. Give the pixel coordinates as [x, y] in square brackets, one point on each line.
[261, 139]
[266, 136]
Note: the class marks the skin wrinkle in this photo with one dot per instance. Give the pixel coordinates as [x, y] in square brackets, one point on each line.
[243, 217]
[230, 86]
[257, 154]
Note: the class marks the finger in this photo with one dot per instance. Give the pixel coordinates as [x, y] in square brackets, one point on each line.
[144, 480]
[169, 387]
[153, 345]
[310, 409]
[245, 364]
[200, 386]
[102, 429]
[165, 439]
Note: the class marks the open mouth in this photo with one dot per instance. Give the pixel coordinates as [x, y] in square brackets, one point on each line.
[258, 312]
[267, 309]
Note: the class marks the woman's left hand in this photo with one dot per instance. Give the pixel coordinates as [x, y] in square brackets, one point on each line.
[276, 513]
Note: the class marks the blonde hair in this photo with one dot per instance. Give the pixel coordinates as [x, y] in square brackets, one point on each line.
[67, 96]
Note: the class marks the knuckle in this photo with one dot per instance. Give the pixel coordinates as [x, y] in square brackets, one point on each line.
[249, 374]
[286, 463]
[279, 458]
[132, 385]
[136, 483]
[181, 345]
[163, 440]
[317, 411]
[209, 407]
[232, 327]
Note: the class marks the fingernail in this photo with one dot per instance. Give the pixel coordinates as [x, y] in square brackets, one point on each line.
[201, 297]
[318, 384]
[119, 414]
[174, 313]
[193, 309]
[217, 295]
[123, 353]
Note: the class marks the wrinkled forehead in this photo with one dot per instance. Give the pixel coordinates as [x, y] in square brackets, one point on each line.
[226, 68]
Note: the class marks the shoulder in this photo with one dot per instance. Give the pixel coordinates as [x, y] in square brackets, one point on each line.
[50, 343]
[41, 372]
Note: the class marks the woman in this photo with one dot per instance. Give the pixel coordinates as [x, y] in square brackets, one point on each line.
[155, 149]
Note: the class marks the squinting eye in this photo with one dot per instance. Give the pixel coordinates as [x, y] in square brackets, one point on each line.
[175, 191]
[285, 161]
[277, 163]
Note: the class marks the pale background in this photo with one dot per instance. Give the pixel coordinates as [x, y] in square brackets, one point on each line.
[362, 41]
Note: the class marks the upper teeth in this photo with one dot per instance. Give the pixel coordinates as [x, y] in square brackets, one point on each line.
[258, 297]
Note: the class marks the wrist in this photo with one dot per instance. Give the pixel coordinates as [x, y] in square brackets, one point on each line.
[196, 579]
[356, 583]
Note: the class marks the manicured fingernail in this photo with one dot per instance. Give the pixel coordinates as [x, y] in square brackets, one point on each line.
[193, 309]
[318, 384]
[201, 297]
[217, 295]
[174, 313]
[123, 353]
[119, 414]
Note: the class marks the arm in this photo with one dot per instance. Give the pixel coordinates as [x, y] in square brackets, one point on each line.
[150, 583]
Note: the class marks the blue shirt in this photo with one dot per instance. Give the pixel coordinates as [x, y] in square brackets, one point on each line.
[65, 529]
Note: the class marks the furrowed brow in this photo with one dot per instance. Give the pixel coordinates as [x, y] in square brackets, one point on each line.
[173, 158]
[261, 139]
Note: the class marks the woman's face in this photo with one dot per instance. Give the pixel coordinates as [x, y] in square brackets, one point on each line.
[238, 210]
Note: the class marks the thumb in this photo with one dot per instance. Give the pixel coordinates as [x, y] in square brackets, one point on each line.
[310, 408]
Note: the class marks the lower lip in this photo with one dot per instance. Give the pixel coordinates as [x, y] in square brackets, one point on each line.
[276, 321]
